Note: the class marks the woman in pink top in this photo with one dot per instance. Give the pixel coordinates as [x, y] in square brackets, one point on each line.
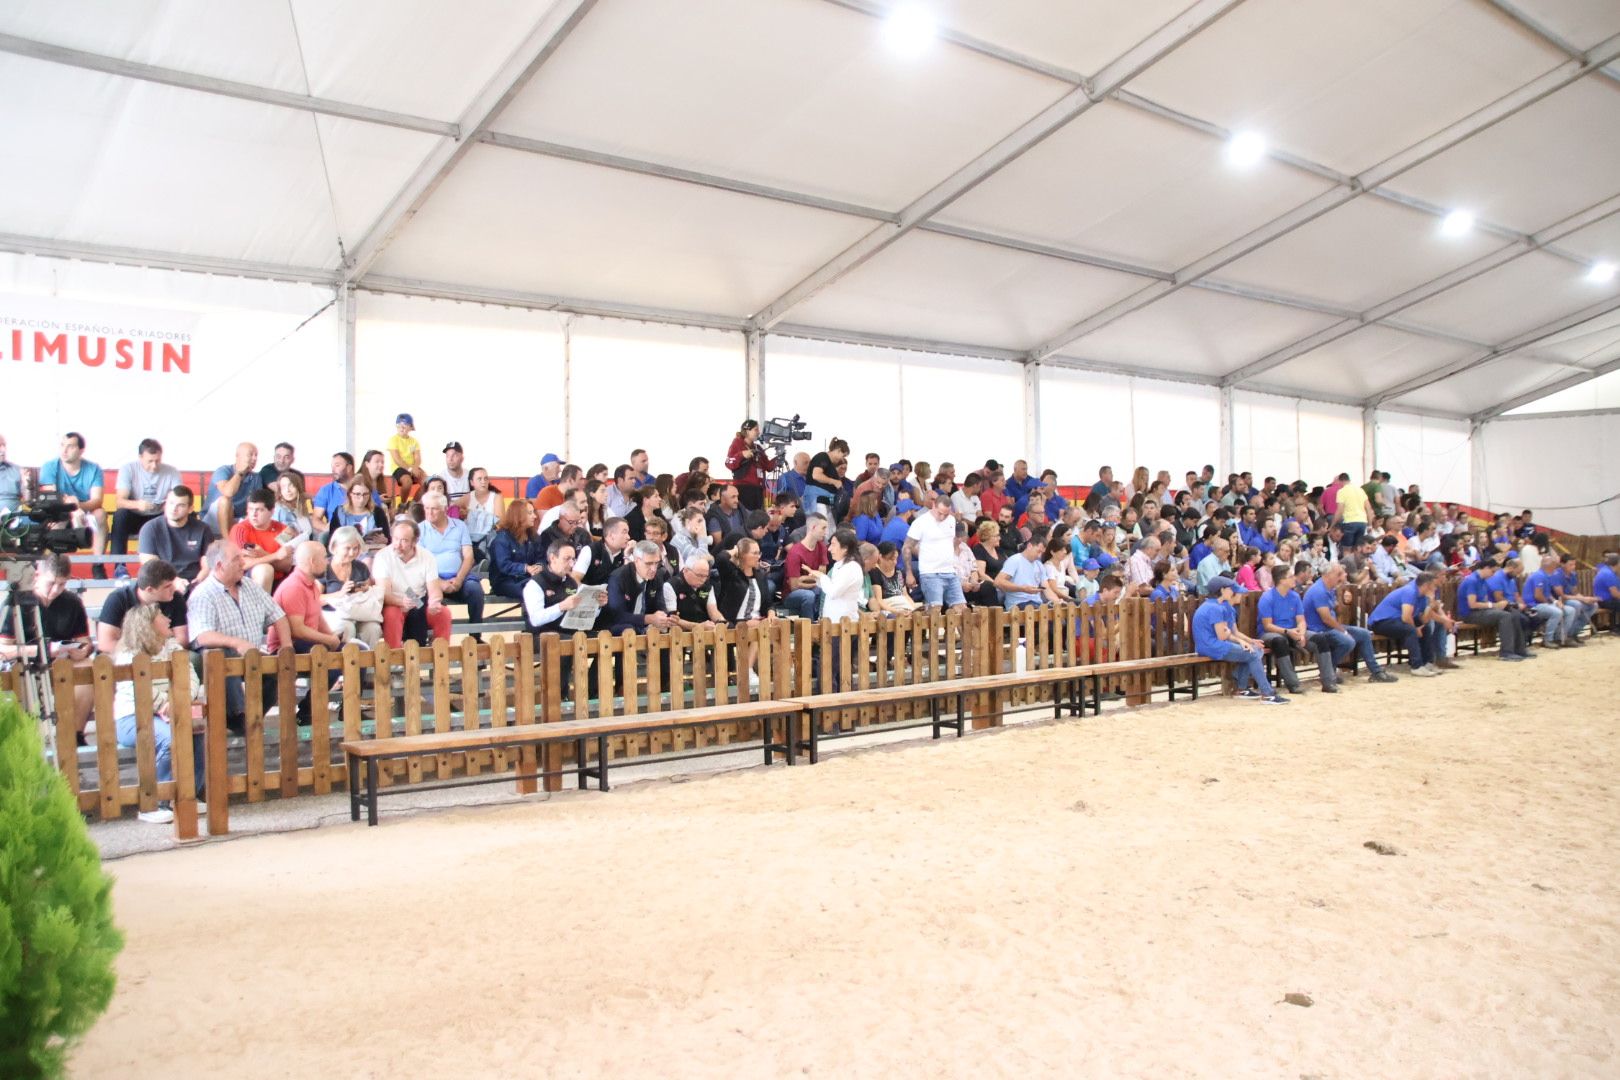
[1248, 574]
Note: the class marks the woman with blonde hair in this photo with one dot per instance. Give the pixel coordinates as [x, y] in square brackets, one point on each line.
[351, 593]
[146, 632]
[1138, 484]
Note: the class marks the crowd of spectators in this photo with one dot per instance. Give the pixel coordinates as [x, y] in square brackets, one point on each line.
[381, 551]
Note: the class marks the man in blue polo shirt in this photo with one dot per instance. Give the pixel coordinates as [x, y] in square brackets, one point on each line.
[1403, 617]
[1249, 530]
[1569, 588]
[550, 468]
[1332, 640]
[448, 541]
[1023, 576]
[1282, 628]
[1479, 605]
[1606, 589]
[1020, 485]
[1215, 635]
[1540, 593]
[333, 495]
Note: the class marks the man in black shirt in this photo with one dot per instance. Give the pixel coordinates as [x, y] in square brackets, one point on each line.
[726, 516]
[178, 538]
[639, 595]
[156, 583]
[648, 502]
[695, 603]
[605, 555]
[568, 526]
[67, 628]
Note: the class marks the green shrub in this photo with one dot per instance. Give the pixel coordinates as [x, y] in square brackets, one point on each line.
[57, 939]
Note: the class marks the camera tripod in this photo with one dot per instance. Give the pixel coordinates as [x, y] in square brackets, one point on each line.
[31, 670]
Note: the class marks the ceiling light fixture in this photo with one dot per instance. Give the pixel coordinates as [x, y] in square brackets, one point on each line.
[1457, 223]
[1601, 273]
[909, 30]
[1245, 149]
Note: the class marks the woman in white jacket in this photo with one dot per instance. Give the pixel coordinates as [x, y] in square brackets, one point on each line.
[843, 583]
[843, 588]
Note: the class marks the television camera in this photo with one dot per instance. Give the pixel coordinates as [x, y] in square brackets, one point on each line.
[779, 431]
[40, 525]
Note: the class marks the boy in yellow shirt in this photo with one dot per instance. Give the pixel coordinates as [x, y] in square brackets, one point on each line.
[406, 453]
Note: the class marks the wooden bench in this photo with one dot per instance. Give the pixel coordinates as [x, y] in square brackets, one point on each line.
[1073, 678]
[527, 737]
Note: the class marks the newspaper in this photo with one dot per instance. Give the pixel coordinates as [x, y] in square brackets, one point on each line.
[583, 617]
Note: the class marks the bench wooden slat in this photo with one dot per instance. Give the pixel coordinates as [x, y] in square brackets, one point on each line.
[435, 742]
[1041, 677]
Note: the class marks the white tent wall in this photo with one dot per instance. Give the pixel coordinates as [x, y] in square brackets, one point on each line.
[1294, 439]
[1089, 419]
[921, 406]
[1566, 469]
[488, 377]
[677, 393]
[1432, 452]
[265, 365]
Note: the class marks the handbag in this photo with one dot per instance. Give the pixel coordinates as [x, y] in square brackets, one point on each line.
[363, 607]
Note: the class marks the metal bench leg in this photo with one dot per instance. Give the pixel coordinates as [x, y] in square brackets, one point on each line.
[961, 715]
[581, 773]
[1194, 673]
[815, 736]
[1096, 695]
[790, 736]
[354, 788]
[371, 792]
[933, 711]
[601, 763]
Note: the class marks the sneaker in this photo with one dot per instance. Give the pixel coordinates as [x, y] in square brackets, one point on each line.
[1425, 672]
[1446, 664]
[1329, 688]
[1574, 643]
[1512, 658]
[1274, 699]
[161, 816]
[1297, 689]
[1251, 694]
[1526, 655]
[1383, 676]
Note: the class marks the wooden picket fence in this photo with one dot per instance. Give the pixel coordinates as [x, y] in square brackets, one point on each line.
[508, 680]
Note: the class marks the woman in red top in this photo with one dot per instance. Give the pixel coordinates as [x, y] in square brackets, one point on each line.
[748, 462]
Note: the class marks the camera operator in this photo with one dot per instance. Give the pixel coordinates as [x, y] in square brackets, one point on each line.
[749, 462]
[67, 628]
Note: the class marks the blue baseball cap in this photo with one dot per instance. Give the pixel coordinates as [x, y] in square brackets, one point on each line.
[1091, 564]
[550, 459]
[404, 418]
[1216, 584]
[905, 506]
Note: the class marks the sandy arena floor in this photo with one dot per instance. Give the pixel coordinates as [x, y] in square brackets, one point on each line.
[1131, 896]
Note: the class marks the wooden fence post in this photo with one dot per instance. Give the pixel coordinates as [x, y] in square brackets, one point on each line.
[181, 755]
[219, 791]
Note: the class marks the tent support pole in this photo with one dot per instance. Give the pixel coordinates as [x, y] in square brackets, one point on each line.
[351, 310]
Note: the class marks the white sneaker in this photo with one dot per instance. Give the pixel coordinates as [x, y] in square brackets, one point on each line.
[753, 681]
[1425, 672]
[161, 816]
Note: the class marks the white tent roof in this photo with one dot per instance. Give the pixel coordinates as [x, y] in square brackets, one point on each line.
[1044, 181]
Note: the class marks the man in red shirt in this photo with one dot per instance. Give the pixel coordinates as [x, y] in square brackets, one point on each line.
[804, 557]
[299, 596]
[259, 537]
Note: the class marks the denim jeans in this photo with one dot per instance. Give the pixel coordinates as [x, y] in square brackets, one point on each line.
[814, 496]
[1348, 638]
[943, 589]
[471, 593]
[162, 741]
[1553, 628]
[1350, 534]
[1423, 647]
[1248, 666]
[803, 602]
